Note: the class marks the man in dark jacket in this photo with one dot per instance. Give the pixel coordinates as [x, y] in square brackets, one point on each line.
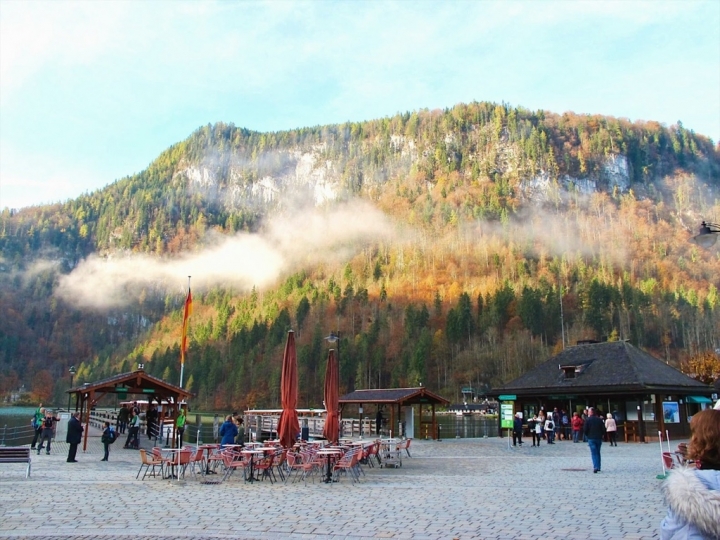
[594, 431]
[74, 436]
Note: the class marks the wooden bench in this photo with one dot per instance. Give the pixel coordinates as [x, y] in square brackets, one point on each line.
[16, 454]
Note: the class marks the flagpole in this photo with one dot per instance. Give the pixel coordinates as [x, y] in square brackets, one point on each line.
[184, 334]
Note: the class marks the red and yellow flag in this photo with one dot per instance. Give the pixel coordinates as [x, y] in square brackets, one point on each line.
[186, 317]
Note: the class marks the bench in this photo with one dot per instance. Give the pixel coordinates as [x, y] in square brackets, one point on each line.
[16, 454]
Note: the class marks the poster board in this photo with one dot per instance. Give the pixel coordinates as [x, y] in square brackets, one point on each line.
[671, 412]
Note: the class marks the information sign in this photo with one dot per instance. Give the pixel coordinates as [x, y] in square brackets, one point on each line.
[506, 415]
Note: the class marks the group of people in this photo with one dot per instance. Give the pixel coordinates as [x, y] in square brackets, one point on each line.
[558, 425]
[43, 422]
[232, 431]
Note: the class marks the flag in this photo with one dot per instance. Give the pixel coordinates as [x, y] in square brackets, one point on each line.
[186, 317]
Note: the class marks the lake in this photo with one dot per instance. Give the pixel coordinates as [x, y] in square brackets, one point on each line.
[15, 428]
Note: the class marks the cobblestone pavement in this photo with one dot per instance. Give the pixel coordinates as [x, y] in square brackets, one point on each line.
[450, 489]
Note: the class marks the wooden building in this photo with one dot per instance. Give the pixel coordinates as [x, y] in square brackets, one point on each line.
[133, 383]
[399, 403]
[645, 394]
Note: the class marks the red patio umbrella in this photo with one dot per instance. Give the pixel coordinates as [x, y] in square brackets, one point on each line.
[331, 431]
[288, 425]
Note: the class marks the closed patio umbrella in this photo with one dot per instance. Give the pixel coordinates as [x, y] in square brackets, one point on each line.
[288, 425]
[331, 431]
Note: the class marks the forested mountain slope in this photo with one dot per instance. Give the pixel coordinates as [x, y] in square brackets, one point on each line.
[441, 244]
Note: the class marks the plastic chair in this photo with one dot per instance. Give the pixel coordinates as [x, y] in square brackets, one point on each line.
[148, 463]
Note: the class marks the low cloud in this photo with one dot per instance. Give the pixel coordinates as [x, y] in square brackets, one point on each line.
[300, 239]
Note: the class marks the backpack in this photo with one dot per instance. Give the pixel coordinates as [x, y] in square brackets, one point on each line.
[565, 420]
[112, 436]
[550, 425]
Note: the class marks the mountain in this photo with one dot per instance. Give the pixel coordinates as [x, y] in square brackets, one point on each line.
[453, 248]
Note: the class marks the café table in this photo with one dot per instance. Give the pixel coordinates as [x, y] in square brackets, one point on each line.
[208, 448]
[252, 454]
[329, 453]
[172, 458]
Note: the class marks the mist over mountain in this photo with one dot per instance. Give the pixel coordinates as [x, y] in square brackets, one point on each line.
[440, 244]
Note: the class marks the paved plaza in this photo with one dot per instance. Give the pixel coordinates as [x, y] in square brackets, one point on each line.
[455, 488]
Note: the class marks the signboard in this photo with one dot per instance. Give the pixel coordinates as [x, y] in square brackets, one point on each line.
[148, 390]
[506, 415]
[671, 412]
[508, 397]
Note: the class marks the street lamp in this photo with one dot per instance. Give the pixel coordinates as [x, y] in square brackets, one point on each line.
[708, 235]
[72, 374]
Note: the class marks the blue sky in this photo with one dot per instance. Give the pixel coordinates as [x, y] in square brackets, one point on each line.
[94, 91]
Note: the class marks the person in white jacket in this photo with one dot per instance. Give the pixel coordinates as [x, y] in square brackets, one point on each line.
[693, 495]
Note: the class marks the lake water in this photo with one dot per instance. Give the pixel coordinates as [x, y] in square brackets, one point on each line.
[15, 428]
[464, 427]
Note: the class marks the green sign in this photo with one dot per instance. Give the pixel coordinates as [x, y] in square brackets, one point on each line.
[507, 397]
[506, 415]
[148, 390]
[560, 398]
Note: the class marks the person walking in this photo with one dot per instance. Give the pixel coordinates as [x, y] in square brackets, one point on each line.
[517, 429]
[611, 429]
[180, 425]
[74, 436]
[108, 437]
[594, 431]
[37, 423]
[228, 431]
[577, 426]
[48, 430]
[692, 495]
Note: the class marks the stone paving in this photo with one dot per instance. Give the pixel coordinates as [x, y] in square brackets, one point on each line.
[450, 489]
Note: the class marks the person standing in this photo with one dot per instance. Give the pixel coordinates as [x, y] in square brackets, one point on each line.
[74, 436]
[152, 417]
[122, 419]
[611, 429]
[180, 426]
[37, 424]
[693, 495]
[577, 427]
[538, 431]
[48, 430]
[240, 439]
[556, 423]
[108, 437]
[133, 440]
[517, 429]
[550, 429]
[228, 431]
[378, 421]
[594, 431]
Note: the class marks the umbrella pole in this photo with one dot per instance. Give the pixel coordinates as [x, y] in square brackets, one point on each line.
[662, 460]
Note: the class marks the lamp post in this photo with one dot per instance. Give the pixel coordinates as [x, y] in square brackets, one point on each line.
[72, 374]
[708, 234]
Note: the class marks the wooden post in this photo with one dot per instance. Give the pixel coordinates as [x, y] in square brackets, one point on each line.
[87, 419]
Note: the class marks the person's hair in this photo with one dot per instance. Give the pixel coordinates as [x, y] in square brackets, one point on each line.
[229, 417]
[609, 415]
[107, 424]
[705, 438]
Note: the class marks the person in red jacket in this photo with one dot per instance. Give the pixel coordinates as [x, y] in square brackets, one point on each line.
[577, 426]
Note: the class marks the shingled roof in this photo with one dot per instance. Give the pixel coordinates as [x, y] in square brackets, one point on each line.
[605, 367]
[402, 396]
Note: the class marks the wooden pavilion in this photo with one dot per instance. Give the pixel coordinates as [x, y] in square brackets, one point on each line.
[643, 393]
[136, 382]
[396, 399]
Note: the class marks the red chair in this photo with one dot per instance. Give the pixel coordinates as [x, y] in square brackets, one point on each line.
[266, 466]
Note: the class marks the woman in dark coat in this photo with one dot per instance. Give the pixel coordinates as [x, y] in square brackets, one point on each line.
[74, 436]
[228, 431]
